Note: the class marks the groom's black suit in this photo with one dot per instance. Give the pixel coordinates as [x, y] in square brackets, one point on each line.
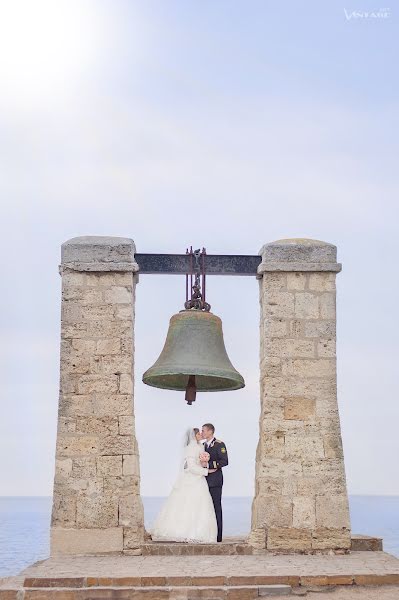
[218, 460]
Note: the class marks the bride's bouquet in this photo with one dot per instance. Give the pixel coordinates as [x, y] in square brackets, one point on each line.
[204, 457]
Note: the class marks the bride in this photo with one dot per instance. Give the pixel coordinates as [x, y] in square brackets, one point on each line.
[188, 514]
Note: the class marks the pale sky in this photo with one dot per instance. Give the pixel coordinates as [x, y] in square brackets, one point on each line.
[224, 124]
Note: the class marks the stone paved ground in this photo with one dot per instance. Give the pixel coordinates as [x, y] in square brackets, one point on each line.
[356, 563]
[193, 566]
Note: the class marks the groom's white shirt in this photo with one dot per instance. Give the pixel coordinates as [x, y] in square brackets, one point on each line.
[206, 446]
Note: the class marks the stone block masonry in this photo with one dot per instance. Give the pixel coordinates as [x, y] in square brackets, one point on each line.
[301, 501]
[96, 504]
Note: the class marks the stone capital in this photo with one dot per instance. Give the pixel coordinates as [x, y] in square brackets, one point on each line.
[298, 254]
[98, 253]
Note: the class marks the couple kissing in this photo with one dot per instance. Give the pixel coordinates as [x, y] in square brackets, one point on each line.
[193, 510]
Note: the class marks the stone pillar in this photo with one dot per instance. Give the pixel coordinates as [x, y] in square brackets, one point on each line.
[301, 501]
[96, 504]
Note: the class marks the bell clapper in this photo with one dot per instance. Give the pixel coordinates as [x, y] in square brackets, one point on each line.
[191, 390]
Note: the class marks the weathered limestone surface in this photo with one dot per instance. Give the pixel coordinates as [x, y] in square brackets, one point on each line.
[97, 505]
[301, 498]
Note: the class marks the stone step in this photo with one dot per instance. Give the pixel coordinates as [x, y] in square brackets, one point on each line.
[184, 588]
[384, 578]
[365, 543]
[162, 582]
[236, 546]
[150, 593]
[177, 549]
[175, 588]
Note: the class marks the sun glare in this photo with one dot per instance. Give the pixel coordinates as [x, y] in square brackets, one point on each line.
[44, 46]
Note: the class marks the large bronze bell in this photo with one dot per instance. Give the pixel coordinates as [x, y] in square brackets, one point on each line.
[194, 357]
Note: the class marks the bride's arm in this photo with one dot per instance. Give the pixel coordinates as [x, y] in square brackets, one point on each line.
[193, 467]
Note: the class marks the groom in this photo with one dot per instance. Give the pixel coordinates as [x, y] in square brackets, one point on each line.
[218, 460]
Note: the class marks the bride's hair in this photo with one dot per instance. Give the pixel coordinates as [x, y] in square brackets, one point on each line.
[190, 435]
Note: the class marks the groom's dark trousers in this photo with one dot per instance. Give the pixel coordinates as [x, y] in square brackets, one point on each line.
[218, 460]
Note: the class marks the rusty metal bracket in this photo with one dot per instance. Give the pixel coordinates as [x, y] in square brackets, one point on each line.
[216, 264]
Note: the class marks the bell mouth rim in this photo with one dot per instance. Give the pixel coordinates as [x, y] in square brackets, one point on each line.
[199, 390]
[230, 384]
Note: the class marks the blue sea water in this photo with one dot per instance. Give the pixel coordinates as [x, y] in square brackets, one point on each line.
[25, 524]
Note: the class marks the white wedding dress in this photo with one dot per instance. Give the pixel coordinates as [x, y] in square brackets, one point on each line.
[188, 514]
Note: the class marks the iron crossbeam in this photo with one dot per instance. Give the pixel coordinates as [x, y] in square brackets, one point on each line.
[215, 264]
